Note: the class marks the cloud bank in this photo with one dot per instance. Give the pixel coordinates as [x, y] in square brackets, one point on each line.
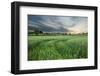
[45, 23]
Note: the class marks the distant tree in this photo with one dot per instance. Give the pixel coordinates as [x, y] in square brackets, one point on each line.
[69, 33]
[65, 33]
[36, 32]
[41, 32]
[84, 33]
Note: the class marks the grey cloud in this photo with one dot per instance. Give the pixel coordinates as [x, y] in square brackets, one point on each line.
[54, 23]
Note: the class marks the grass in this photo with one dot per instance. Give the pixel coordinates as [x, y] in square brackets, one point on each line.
[57, 47]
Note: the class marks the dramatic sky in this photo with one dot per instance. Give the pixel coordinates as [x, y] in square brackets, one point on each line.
[69, 24]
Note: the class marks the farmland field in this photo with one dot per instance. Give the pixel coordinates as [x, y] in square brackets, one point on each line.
[57, 47]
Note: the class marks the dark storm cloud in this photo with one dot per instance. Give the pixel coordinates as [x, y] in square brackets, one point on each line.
[54, 23]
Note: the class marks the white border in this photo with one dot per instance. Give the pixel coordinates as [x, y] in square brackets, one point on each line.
[26, 65]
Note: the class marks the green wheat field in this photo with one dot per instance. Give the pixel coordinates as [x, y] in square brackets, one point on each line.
[57, 47]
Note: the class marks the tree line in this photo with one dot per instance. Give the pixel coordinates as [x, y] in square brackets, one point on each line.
[53, 33]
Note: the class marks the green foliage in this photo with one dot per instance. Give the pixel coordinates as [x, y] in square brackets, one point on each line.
[57, 47]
